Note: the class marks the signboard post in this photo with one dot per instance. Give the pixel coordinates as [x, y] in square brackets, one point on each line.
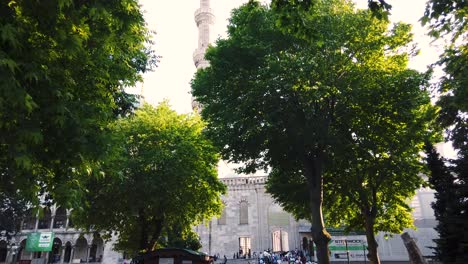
[40, 241]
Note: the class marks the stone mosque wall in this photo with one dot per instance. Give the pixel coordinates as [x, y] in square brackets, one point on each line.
[251, 220]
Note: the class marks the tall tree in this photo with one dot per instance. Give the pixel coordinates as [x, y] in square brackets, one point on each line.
[377, 169]
[380, 169]
[161, 180]
[64, 65]
[276, 100]
[451, 244]
[447, 19]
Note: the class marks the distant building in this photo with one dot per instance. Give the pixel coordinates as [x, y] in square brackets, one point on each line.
[70, 245]
[252, 222]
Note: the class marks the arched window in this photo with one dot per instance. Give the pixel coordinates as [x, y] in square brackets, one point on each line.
[30, 221]
[54, 255]
[97, 249]
[68, 248]
[45, 218]
[81, 250]
[3, 251]
[60, 218]
[244, 213]
[305, 244]
[20, 250]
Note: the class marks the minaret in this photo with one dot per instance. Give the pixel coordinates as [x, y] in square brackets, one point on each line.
[204, 18]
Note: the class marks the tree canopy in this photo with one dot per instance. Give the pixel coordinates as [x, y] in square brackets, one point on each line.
[302, 105]
[449, 209]
[160, 180]
[64, 65]
[447, 19]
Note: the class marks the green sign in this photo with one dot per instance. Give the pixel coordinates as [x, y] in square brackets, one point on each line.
[40, 241]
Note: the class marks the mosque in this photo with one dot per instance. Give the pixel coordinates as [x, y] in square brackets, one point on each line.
[251, 221]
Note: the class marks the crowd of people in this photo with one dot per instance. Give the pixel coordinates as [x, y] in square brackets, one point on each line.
[288, 257]
[268, 257]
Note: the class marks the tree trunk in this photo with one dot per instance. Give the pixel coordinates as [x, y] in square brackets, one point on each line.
[313, 173]
[414, 253]
[152, 244]
[144, 231]
[373, 254]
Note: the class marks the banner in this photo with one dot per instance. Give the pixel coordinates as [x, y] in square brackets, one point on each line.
[40, 241]
[355, 246]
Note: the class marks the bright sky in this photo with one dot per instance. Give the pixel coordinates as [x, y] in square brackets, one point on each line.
[177, 35]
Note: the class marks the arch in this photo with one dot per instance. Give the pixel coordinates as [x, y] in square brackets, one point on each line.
[305, 243]
[20, 250]
[45, 218]
[97, 250]
[81, 249]
[3, 251]
[243, 212]
[67, 255]
[55, 254]
[60, 218]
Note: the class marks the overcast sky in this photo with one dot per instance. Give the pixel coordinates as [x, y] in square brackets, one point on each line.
[176, 39]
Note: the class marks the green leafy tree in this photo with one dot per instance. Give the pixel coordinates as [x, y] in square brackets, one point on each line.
[447, 19]
[378, 173]
[451, 246]
[294, 15]
[276, 100]
[177, 236]
[377, 168]
[161, 180]
[64, 65]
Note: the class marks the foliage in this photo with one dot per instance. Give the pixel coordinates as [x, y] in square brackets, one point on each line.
[64, 65]
[311, 107]
[379, 171]
[13, 209]
[450, 208]
[294, 16]
[160, 180]
[447, 19]
[181, 237]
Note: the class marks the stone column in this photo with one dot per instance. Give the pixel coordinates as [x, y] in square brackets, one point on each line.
[67, 221]
[52, 218]
[36, 225]
[62, 256]
[88, 252]
[72, 254]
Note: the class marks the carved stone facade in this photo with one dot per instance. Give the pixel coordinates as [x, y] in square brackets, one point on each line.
[268, 226]
[251, 217]
[70, 245]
